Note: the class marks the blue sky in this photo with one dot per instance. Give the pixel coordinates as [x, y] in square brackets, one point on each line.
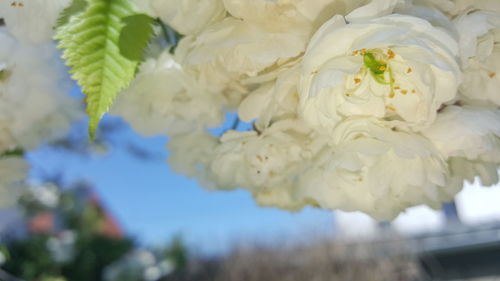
[153, 203]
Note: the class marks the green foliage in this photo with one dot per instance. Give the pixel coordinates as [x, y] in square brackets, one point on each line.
[51, 278]
[135, 36]
[90, 40]
[17, 152]
[30, 259]
[178, 253]
[93, 254]
[76, 7]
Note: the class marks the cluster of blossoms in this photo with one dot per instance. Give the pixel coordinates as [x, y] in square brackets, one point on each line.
[358, 105]
[371, 106]
[34, 84]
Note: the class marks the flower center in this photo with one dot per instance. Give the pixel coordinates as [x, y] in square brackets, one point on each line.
[377, 63]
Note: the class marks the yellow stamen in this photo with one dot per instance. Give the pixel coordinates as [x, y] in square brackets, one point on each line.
[391, 54]
[390, 107]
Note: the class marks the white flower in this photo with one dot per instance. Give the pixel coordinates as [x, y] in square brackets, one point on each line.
[164, 99]
[467, 132]
[191, 155]
[462, 6]
[434, 11]
[470, 138]
[289, 11]
[462, 170]
[480, 51]
[228, 52]
[263, 38]
[395, 67]
[34, 101]
[277, 100]
[13, 171]
[32, 20]
[374, 168]
[267, 164]
[189, 16]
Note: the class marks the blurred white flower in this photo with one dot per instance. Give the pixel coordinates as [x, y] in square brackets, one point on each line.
[372, 167]
[3, 258]
[152, 273]
[393, 67]
[164, 99]
[32, 20]
[34, 104]
[480, 52]
[13, 172]
[140, 264]
[46, 195]
[62, 248]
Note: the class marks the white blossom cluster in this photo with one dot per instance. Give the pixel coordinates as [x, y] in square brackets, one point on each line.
[34, 84]
[371, 106]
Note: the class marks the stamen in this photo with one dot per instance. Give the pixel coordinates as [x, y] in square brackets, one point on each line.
[390, 107]
[391, 54]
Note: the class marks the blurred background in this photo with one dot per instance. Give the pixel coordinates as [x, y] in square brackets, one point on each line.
[113, 210]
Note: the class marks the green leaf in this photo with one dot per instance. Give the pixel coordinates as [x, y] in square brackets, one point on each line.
[91, 50]
[135, 36]
[76, 7]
